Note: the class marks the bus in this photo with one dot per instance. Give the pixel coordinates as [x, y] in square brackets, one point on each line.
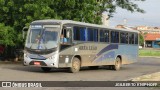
[72, 44]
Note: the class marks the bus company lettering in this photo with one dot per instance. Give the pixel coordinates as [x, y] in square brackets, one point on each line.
[87, 48]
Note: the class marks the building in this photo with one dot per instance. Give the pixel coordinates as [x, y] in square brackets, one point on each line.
[151, 35]
[147, 29]
[142, 27]
[105, 20]
[125, 27]
[120, 26]
[152, 40]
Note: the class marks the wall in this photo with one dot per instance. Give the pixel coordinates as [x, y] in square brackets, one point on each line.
[155, 44]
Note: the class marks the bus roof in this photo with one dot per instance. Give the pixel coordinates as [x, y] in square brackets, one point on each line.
[51, 21]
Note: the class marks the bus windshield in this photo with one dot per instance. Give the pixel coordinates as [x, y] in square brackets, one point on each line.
[42, 38]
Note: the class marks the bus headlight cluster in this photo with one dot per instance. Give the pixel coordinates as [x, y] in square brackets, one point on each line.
[25, 55]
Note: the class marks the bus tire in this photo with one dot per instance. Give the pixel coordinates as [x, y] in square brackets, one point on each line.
[93, 67]
[117, 64]
[46, 69]
[75, 65]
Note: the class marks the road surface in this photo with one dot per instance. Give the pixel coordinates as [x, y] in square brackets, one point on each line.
[20, 72]
[9, 72]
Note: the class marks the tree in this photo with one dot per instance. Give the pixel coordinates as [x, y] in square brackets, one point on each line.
[7, 35]
[19, 13]
[8, 38]
[16, 14]
[110, 6]
[141, 39]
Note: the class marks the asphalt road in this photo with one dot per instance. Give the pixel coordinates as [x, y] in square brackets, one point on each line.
[16, 72]
[20, 72]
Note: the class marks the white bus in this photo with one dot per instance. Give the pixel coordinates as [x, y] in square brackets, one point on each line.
[71, 44]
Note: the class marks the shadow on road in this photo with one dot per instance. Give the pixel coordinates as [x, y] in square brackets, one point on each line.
[19, 67]
[33, 69]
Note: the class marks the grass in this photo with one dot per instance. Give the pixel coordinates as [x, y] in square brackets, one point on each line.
[150, 52]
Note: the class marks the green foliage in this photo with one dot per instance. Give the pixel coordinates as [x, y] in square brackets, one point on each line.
[145, 52]
[19, 13]
[16, 14]
[7, 35]
[141, 39]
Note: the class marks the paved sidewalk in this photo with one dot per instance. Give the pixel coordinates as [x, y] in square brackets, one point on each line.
[148, 77]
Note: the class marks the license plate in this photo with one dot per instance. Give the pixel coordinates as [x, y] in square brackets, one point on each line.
[36, 63]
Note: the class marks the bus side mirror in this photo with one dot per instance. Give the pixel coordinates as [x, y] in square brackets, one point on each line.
[24, 32]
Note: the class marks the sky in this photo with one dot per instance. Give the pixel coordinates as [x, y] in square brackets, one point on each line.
[151, 17]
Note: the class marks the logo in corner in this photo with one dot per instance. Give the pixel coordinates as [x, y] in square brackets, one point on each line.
[6, 84]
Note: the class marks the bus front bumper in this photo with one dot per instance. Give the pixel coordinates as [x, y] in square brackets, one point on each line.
[40, 63]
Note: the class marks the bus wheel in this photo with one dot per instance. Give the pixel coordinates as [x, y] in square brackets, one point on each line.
[75, 65]
[46, 69]
[93, 67]
[117, 65]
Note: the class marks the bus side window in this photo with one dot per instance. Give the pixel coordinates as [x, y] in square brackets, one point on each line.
[80, 33]
[92, 34]
[66, 36]
[131, 38]
[69, 36]
[95, 35]
[104, 36]
[114, 37]
[124, 37]
[63, 38]
[127, 39]
[136, 38]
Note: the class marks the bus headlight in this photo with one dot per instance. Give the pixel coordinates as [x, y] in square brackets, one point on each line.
[25, 55]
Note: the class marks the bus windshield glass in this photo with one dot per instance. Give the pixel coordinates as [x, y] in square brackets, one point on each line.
[42, 37]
